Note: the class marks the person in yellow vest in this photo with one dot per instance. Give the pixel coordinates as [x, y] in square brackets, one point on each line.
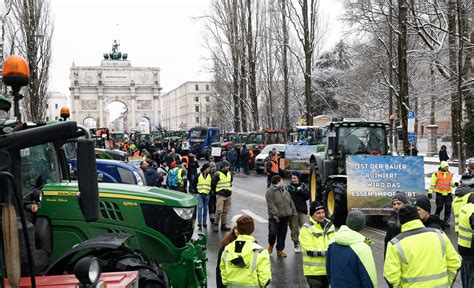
[350, 262]
[466, 243]
[441, 183]
[462, 193]
[420, 256]
[244, 263]
[222, 185]
[203, 189]
[315, 237]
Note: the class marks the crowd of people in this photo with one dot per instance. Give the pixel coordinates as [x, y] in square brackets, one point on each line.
[417, 252]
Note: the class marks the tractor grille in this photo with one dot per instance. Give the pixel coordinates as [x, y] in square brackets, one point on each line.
[165, 220]
[110, 210]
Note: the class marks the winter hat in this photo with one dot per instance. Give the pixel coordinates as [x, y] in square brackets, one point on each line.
[204, 167]
[423, 202]
[245, 225]
[407, 213]
[315, 206]
[400, 196]
[234, 220]
[225, 163]
[173, 164]
[355, 220]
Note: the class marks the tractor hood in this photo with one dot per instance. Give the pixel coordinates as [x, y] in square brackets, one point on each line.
[127, 192]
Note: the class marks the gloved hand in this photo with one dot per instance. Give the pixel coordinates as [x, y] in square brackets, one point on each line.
[456, 184]
[430, 196]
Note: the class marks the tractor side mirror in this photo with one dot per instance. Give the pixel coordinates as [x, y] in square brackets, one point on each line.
[87, 178]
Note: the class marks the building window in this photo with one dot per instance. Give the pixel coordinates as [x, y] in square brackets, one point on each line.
[197, 119]
[47, 106]
[207, 98]
[196, 87]
[207, 87]
[47, 118]
[208, 108]
[196, 108]
[196, 99]
[55, 106]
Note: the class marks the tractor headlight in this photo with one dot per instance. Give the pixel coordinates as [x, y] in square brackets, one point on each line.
[87, 270]
[139, 178]
[185, 213]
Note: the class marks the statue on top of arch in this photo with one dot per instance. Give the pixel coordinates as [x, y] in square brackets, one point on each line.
[115, 54]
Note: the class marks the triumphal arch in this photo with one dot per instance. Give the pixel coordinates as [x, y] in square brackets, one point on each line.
[94, 87]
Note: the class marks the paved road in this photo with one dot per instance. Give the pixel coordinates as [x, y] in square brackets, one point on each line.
[249, 197]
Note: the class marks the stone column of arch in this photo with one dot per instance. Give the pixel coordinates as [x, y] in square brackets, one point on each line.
[101, 107]
[76, 104]
[156, 105]
[133, 97]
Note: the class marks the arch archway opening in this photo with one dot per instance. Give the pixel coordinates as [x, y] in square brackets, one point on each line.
[90, 122]
[144, 125]
[117, 116]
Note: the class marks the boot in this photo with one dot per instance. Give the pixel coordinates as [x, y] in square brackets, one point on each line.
[281, 253]
[204, 223]
[225, 228]
[199, 224]
[215, 227]
[270, 249]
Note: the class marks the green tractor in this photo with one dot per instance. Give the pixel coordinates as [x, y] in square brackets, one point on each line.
[352, 137]
[140, 228]
[127, 227]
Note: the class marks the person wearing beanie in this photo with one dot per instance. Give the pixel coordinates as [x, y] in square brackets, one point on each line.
[393, 223]
[203, 190]
[300, 195]
[350, 262]
[221, 185]
[315, 237]
[441, 183]
[244, 263]
[466, 242]
[229, 238]
[419, 256]
[423, 206]
[280, 209]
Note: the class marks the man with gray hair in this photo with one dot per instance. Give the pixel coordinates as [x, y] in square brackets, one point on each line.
[349, 261]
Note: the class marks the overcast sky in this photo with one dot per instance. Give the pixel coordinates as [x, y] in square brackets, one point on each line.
[154, 33]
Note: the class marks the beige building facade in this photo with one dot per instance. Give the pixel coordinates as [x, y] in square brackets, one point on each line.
[188, 106]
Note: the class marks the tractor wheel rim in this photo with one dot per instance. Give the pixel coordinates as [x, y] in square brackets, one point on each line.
[331, 202]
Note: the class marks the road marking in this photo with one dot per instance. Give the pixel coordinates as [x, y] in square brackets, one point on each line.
[255, 216]
[245, 193]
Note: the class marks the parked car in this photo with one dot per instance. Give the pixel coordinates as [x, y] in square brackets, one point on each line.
[260, 159]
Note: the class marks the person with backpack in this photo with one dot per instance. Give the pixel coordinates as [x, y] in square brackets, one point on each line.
[172, 180]
[150, 173]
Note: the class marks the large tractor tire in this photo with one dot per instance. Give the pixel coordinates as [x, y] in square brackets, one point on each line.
[149, 273]
[335, 202]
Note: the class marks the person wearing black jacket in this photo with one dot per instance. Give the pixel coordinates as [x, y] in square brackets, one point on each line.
[300, 195]
[443, 154]
[221, 185]
[193, 166]
[423, 207]
[393, 223]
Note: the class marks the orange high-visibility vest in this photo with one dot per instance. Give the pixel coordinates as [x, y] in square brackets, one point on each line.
[444, 181]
